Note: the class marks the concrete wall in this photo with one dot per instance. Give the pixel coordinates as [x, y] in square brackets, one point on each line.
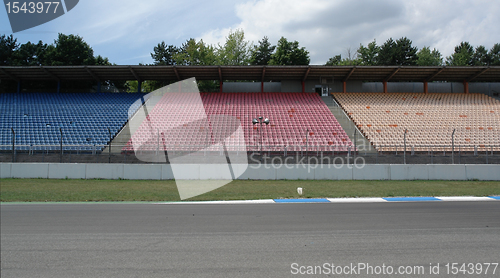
[253, 171]
[434, 87]
[295, 86]
[250, 87]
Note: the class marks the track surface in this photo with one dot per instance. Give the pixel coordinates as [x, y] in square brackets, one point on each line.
[256, 240]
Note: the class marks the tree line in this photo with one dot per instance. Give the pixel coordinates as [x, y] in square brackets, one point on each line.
[236, 50]
[402, 53]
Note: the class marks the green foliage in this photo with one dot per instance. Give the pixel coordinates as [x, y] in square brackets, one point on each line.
[8, 46]
[426, 57]
[495, 55]
[235, 51]
[397, 53]
[369, 55]
[164, 54]
[334, 61]
[193, 53]
[71, 50]
[481, 56]
[463, 55]
[261, 54]
[289, 53]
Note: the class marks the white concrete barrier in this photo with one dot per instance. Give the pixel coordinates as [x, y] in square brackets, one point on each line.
[67, 170]
[372, 172]
[333, 172]
[5, 170]
[104, 171]
[483, 172]
[30, 170]
[446, 172]
[293, 172]
[142, 172]
[409, 172]
[253, 171]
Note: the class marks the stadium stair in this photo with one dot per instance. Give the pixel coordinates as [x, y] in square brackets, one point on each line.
[348, 125]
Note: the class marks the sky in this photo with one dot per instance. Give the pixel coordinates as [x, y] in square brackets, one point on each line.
[126, 31]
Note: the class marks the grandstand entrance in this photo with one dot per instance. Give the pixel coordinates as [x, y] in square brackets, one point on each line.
[321, 90]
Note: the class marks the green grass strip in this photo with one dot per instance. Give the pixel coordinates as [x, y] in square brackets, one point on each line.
[44, 190]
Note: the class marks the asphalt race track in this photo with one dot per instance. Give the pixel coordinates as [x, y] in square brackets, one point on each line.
[251, 240]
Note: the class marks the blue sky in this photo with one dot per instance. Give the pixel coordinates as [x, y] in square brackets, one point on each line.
[126, 31]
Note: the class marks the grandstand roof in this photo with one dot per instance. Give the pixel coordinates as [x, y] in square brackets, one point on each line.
[257, 73]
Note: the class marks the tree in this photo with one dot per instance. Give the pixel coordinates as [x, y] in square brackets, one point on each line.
[289, 53]
[463, 55]
[397, 53]
[30, 54]
[334, 61]
[426, 57]
[369, 55]
[481, 57]
[8, 46]
[235, 51]
[164, 54]
[495, 55]
[261, 54]
[72, 50]
[195, 53]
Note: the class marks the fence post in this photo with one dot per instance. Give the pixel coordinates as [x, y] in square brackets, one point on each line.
[355, 144]
[453, 147]
[486, 154]
[404, 151]
[109, 148]
[475, 150]
[61, 141]
[13, 145]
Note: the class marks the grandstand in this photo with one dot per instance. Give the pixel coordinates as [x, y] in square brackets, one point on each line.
[83, 118]
[429, 119]
[297, 119]
[298, 115]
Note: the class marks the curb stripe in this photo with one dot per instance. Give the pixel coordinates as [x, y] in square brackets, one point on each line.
[356, 200]
[301, 200]
[411, 199]
[495, 197]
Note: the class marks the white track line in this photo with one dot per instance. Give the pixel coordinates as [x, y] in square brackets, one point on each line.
[238, 202]
[356, 200]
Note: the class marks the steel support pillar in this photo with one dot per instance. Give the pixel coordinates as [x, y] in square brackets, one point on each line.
[466, 87]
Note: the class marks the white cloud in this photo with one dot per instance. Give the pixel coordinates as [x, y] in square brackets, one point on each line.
[328, 28]
[126, 31]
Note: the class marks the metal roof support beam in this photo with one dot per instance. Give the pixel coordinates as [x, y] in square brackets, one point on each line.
[134, 74]
[9, 75]
[307, 73]
[429, 79]
[220, 75]
[263, 73]
[478, 74]
[391, 75]
[50, 73]
[92, 74]
[177, 73]
[349, 75]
